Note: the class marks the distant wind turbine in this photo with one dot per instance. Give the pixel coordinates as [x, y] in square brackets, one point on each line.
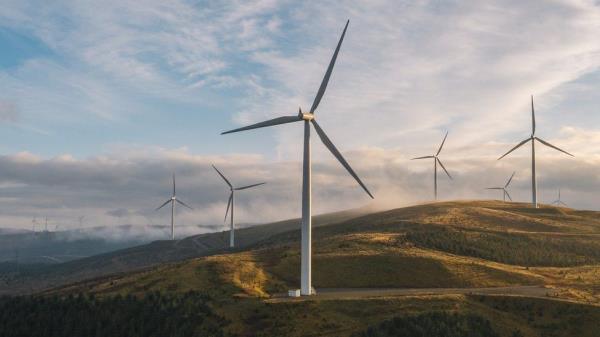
[436, 161]
[532, 139]
[504, 189]
[231, 202]
[309, 118]
[173, 200]
[559, 202]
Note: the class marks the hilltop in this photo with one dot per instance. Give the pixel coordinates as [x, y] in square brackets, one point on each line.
[136, 257]
[546, 260]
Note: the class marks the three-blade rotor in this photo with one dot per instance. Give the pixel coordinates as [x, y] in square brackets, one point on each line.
[173, 198]
[533, 137]
[309, 117]
[505, 188]
[232, 189]
[559, 202]
[435, 156]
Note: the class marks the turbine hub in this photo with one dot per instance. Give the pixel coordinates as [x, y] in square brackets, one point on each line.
[307, 116]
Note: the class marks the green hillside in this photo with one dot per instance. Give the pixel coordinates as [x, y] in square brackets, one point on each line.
[456, 245]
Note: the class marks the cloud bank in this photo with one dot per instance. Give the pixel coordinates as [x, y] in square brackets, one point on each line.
[124, 94]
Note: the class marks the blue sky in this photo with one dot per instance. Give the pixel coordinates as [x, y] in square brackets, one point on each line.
[124, 83]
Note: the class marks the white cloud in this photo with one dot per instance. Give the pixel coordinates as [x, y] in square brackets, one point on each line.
[9, 113]
[126, 186]
[407, 72]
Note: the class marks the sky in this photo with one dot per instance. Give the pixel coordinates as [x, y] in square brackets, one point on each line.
[100, 102]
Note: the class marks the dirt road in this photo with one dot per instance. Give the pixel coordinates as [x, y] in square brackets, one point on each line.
[356, 293]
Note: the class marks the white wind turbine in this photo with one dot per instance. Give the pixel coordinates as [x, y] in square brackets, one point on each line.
[173, 200]
[309, 118]
[559, 202]
[504, 189]
[231, 202]
[436, 161]
[532, 139]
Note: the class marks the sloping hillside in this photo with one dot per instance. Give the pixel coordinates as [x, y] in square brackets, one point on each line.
[453, 245]
[152, 254]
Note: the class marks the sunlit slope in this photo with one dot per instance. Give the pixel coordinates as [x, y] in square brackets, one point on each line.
[238, 286]
[428, 246]
[153, 254]
[434, 245]
[449, 244]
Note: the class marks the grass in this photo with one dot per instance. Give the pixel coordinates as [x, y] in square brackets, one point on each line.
[455, 244]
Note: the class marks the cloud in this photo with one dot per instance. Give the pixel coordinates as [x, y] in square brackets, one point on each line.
[9, 113]
[111, 190]
[407, 72]
[119, 212]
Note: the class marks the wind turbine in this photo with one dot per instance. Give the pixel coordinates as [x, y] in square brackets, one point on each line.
[436, 161]
[504, 189]
[559, 202]
[173, 200]
[532, 139]
[309, 118]
[230, 203]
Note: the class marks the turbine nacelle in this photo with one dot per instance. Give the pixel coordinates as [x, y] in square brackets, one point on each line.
[305, 116]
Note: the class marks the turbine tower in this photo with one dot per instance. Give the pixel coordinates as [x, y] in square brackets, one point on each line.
[230, 203]
[504, 189]
[173, 200]
[309, 118]
[532, 139]
[436, 161]
[559, 202]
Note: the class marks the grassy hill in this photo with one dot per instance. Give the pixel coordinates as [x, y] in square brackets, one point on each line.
[38, 277]
[467, 244]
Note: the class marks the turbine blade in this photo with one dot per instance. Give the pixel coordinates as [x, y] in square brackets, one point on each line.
[222, 176]
[163, 205]
[532, 117]
[552, 146]
[562, 203]
[508, 195]
[516, 147]
[423, 157]
[270, 122]
[494, 188]
[173, 184]
[328, 72]
[338, 155]
[442, 165]
[443, 141]
[228, 204]
[183, 204]
[509, 180]
[245, 187]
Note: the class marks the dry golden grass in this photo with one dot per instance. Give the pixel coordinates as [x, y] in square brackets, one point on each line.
[371, 251]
